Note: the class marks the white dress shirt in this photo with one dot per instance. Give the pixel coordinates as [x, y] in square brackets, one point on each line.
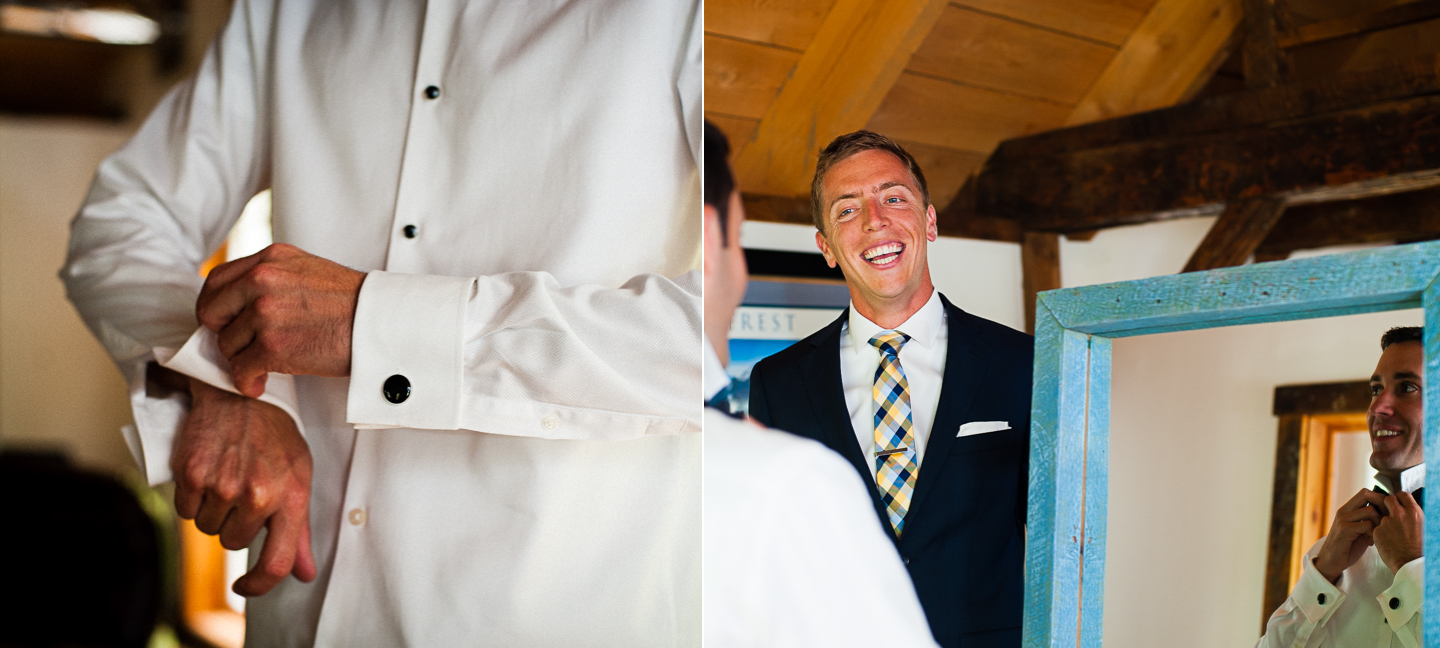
[541, 486]
[1369, 606]
[922, 358]
[793, 556]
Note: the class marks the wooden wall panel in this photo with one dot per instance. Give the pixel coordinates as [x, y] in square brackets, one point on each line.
[741, 79]
[1108, 21]
[931, 111]
[788, 23]
[945, 169]
[1170, 53]
[1002, 54]
[736, 129]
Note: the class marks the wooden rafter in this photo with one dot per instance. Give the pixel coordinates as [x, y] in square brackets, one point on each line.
[1359, 135]
[1173, 50]
[1387, 18]
[1395, 218]
[846, 71]
[1236, 234]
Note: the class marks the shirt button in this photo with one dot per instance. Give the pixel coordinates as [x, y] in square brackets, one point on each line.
[409, 231]
[549, 422]
[432, 92]
[397, 389]
[1320, 599]
[1394, 603]
[357, 516]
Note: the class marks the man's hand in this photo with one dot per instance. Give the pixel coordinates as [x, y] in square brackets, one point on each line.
[1350, 534]
[281, 309]
[1400, 537]
[240, 464]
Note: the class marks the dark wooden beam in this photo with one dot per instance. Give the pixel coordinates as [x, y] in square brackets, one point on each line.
[1040, 266]
[1398, 218]
[1387, 18]
[1234, 237]
[784, 209]
[1263, 58]
[1145, 168]
[1282, 515]
[1229, 112]
[1351, 397]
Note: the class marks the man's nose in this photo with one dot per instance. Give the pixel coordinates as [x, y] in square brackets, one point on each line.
[875, 217]
[1383, 404]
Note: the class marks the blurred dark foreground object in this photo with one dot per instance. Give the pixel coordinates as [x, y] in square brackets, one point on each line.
[79, 557]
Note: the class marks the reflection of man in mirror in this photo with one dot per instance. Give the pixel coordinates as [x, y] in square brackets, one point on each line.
[929, 403]
[1364, 582]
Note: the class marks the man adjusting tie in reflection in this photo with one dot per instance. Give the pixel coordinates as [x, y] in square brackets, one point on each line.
[930, 404]
[1364, 581]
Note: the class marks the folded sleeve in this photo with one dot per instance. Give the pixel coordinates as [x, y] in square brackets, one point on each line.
[163, 204]
[1310, 604]
[520, 355]
[1402, 602]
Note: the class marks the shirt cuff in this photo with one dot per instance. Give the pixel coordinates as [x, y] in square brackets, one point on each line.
[159, 420]
[1316, 597]
[409, 332]
[1406, 594]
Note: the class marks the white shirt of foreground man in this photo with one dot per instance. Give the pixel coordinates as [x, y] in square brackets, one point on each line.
[526, 178]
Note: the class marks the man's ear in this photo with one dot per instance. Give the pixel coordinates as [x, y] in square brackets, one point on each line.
[931, 231]
[712, 238]
[824, 246]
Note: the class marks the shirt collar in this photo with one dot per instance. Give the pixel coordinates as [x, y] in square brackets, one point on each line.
[923, 327]
[715, 377]
[1411, 479]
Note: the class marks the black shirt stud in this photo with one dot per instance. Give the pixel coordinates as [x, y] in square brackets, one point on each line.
[397, 389]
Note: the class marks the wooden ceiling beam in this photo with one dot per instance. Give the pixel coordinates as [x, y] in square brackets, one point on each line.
[1398, 218]
[1263, 59]
[1175, 48]
[1387, 18]
[1236, 234]
[1040, 269]
[1298, 143]
[855, 58]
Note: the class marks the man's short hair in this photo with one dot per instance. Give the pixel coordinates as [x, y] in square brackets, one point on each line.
[719, 184]
[847, 145]
[1402, 334]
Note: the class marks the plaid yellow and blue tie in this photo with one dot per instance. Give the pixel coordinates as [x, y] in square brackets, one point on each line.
[895, 467]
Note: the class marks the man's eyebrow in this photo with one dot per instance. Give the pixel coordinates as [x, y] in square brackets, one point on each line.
[840, 198]
[1407, 375]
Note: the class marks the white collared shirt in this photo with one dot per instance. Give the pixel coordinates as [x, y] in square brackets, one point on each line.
[541, 485]
[1369, 606]
[922, 358]
[815, 571]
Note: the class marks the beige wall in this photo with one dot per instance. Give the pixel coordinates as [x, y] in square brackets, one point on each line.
[58, 388]
[1192, 446]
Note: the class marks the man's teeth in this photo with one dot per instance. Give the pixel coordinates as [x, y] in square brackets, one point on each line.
[1387, 433]
[883, 252]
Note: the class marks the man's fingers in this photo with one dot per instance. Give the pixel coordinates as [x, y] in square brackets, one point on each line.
[217, 308]
[213, 511]
[238, 334]
[1365, 496]
[228, 272]
[1368, 513]
[277, 557]
[1405, 500]
[250, 370]
[241, 527]
[304, 559]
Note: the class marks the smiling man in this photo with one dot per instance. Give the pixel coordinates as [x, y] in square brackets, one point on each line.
[1364, 582]
[930, 404]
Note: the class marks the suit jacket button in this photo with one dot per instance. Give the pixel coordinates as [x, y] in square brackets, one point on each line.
[397, 389]
[906, 560]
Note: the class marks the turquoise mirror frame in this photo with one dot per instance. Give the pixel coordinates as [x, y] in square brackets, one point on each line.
[1070, 411]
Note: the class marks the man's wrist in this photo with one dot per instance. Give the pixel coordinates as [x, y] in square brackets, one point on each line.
[1322, 571]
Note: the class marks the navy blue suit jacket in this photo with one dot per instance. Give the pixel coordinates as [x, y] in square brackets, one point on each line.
[964, 540]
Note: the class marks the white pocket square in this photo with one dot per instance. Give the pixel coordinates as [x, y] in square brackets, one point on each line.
[981, 427]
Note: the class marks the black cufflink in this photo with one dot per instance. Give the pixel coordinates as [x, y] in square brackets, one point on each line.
[1394, 603]
[1320, 599]
[397, 389]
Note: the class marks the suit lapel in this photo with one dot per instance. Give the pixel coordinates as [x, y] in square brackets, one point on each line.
[821, 369]
[966, 360]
